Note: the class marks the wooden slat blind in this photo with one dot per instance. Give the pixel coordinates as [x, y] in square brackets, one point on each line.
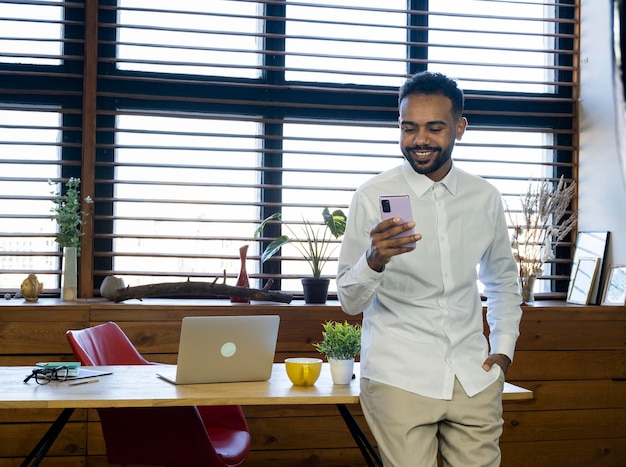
[40, 126]
[209, 116]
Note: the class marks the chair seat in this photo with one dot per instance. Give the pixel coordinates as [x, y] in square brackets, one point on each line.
[230, 445]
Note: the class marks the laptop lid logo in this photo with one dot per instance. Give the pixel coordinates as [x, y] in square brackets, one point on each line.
[228, 349]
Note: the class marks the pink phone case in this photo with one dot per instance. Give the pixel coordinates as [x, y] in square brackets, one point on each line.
[397, 206]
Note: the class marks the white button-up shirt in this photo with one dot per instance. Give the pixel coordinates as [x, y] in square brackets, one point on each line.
[422, 315]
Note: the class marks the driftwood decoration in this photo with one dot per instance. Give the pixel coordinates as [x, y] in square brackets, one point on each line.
[200, 290]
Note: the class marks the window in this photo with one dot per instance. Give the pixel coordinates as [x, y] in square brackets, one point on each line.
[28, 138]
[186, 184]
[512, 39]
[206, 38]
[31, 32]
[360, 45]
[40, 90]
[205, 118]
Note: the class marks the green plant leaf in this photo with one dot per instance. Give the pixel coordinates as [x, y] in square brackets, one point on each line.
[273, 247]
[340, 340]
[336, 222]
[260, 228]
[67, 213]
[315, 247]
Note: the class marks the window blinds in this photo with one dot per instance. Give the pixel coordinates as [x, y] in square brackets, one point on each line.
[41, 67]
[207, 117]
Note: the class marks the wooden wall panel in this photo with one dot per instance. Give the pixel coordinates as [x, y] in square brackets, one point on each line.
[157, 328]
[567, 365]
[561, 395]
[95, 441]
[18, 439]
[299, 432]
[51, 461]
[38, 415]
[571, 335]
[40, 338]
[564, 424]
[568, 453]
[344, 457]
[572, 357]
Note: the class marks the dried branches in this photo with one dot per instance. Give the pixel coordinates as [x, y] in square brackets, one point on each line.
[544, 219]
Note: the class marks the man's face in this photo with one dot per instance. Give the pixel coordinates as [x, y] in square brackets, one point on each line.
[427, 133]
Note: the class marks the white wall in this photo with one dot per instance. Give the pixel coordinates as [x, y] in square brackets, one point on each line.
[602, 184]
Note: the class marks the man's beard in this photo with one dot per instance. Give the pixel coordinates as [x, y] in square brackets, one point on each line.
[432, 165]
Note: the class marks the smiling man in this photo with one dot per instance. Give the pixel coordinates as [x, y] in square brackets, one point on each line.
[429, 125]
[430, 380]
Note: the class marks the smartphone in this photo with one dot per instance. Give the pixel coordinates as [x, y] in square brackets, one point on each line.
[397, 206]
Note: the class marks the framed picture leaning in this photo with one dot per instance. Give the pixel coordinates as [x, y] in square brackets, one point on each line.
[615, 287]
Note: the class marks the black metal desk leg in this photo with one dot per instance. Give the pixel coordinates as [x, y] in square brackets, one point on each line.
[367, 450]
[44, 444]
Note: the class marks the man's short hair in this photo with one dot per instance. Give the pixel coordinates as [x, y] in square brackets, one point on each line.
[430, 83]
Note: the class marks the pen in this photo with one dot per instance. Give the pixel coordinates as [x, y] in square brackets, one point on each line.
[86, 381]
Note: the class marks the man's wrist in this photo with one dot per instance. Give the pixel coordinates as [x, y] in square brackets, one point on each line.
[374, 268]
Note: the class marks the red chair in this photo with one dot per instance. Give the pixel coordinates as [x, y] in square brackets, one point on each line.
[172, 436]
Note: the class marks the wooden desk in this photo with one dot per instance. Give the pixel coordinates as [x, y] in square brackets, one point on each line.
[138, 386]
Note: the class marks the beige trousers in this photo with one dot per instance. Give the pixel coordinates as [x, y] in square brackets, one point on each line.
[411, 429]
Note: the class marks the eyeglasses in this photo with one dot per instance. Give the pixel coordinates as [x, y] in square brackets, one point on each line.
[45, 375]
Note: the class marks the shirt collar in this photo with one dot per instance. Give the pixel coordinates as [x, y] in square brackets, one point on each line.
[421, 183]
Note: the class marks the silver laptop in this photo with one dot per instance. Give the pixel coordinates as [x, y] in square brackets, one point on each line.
[224, 349]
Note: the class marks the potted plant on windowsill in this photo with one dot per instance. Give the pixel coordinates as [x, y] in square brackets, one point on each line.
[316, 248]
[544, 219]
[341, 342]
[69, 218]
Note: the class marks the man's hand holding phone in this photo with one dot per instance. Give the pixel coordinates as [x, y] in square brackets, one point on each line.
[395, 234]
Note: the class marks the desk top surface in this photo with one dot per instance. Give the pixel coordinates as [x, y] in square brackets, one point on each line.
[138, 386]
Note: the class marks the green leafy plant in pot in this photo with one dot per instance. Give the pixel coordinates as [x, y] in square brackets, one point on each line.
[315, 246]
[341, 342]
[70, 219]
[68, 214]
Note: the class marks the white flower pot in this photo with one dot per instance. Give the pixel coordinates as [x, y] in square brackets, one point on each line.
[341, 371]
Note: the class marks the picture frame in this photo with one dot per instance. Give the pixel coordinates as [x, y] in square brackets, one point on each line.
[584, 280]
[615, 287]
[592, 244]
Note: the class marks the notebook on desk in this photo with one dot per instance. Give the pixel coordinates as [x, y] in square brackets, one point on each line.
[224, 349]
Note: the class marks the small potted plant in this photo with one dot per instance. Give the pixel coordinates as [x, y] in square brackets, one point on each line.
[315, 248]
[69, 218]
[341, 342]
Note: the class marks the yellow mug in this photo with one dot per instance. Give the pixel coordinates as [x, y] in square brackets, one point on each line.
[303, 371]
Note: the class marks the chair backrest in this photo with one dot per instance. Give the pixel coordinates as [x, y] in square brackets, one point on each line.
[104, 344]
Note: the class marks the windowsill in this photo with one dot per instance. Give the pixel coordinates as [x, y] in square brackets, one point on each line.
[161, 302]
[226, 303]
[85, 312]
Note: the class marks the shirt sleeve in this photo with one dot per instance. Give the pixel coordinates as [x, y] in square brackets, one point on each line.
[356, 281]
[498, 272]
